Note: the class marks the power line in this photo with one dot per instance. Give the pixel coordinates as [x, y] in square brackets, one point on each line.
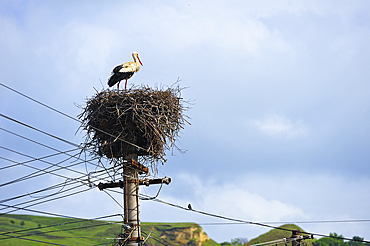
[34, 240]
[44, 145]
[57, 186]
[289, 222]
[39, 170]
[49, 213]
[40, 233]
[32, 160]
[60, 112]
[245, 221]
[45, 157]
[39, 173]
[62, 224]
[157, 236]
[43, 171]
[113, 198]
[43, 132]
[47, 232]
[319, 221]
[52, 199]
[159, 240]
[88, 181]
[56, 136]
[62, 186]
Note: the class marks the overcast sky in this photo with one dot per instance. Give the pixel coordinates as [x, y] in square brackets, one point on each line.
[279, 95]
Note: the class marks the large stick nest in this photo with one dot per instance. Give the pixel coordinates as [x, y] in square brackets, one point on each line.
[141, 121]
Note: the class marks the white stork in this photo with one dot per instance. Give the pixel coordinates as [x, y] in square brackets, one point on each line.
[125, 71]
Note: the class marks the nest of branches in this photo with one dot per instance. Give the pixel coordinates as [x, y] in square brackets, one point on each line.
[142, 121]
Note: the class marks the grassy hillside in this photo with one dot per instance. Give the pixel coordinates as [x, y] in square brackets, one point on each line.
[275, 234]
[30, 230]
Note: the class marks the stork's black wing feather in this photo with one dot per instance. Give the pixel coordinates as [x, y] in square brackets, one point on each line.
[117, 77]
[116, 69]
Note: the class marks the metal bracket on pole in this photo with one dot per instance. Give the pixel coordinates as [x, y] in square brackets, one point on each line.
[136, 165]
[147, 182]
[296, 238]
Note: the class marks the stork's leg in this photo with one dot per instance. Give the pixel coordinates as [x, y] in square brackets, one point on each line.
[125, 85]
[118, 86]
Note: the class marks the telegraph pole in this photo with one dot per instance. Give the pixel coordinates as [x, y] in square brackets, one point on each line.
[296, 238]
[131, 200]
[130, 184]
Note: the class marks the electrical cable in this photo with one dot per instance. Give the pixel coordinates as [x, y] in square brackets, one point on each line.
[47, 232]
[58, 111]
[21, 179]
[318, 221]
[245, 221]
[62, 224]
[52, 199]
[38, 102]
[34, 201]
[113, 198]
[44, 145]
[57, 186]
[45, 157]
[154, 197]
[37, 174]
[41, 233]
[47, 213]
[32, 160]
[43, 171]
[66, 141]
[288, 222]
[62, 185]
[168, 243]
[43, 132]
[41, 198]
[34, 240]
[158, 240]
[40, 170]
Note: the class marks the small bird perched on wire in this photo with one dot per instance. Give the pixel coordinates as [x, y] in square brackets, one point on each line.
[125, 71]
[189, 206]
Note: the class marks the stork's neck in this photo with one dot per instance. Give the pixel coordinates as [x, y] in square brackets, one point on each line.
[136, 59]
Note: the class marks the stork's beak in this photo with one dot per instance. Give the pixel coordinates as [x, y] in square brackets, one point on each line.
[140, 61]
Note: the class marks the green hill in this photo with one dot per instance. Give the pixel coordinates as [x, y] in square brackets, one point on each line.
[33, 230]
[275, 234]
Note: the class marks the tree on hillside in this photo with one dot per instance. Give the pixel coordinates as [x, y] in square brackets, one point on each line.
[357, 241]
[337, 240]
[236, 241]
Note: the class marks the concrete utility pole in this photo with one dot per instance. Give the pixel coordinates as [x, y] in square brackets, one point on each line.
[131, 201]
[297, 239]
[295, 236]
[130, 183]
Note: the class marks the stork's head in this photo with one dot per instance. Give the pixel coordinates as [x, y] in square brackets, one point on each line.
[135, 55]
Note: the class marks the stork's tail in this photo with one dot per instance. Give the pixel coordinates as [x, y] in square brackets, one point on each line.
[114, 79]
